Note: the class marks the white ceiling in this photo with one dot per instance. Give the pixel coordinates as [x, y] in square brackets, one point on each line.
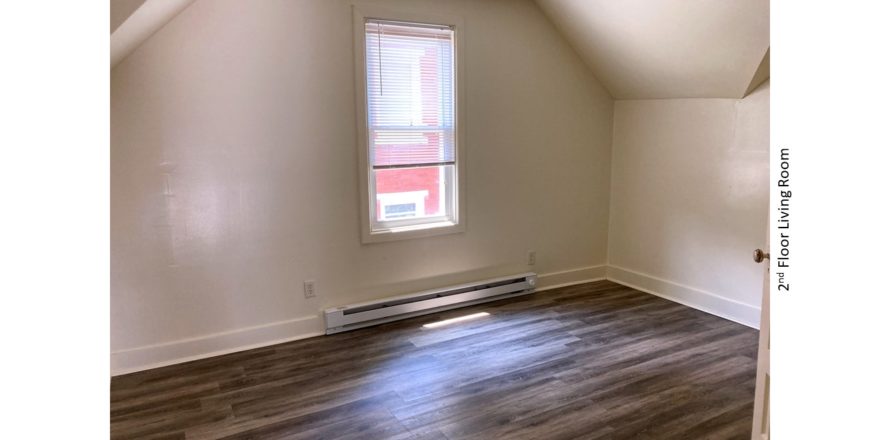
[120, 10]
[133, 21]
[643, 49]
[639, 49]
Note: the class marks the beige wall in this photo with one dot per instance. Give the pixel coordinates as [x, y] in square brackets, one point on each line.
[234, 164]
[689, 199]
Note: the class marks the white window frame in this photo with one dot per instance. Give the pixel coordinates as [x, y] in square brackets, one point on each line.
[373, 230]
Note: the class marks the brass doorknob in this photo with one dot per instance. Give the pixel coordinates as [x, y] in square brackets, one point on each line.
[760, 256]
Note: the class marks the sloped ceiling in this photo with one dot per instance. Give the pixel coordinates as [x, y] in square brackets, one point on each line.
[643, 49]
[133, 21]
[120, 10]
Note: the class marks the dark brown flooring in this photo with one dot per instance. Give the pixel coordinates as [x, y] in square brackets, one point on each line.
[597, 360]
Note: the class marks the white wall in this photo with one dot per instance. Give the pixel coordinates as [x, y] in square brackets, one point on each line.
[234, 164]
[689, 200]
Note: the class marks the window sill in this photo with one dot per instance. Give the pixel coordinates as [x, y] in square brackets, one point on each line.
[414, 231]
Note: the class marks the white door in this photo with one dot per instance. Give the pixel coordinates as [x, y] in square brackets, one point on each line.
[761, 420]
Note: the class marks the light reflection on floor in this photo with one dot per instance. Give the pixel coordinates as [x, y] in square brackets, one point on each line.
[454, 320]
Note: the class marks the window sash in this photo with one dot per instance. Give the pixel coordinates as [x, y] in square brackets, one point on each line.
[383, 111]
[418, 130]
[450, 201]
[415, 165]
[397, 156]
[410, 79]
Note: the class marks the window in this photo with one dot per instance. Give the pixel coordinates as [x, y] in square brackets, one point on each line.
[401, 205]
[408, 82]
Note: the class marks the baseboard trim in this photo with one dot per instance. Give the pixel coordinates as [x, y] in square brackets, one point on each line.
[190, 349]
[571, 277]
[184, 350]
[708, 302]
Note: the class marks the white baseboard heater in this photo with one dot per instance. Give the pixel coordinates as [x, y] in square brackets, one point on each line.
[354, 316]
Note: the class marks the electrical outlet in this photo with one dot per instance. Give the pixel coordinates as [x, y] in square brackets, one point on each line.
[532, 257]
[309, 290]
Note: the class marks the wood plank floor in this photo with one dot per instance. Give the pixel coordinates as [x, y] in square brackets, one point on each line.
[594, 361]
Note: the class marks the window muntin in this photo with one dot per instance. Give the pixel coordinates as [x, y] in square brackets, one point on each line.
[411, 122]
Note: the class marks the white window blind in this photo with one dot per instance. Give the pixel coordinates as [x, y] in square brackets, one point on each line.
[410, 94]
